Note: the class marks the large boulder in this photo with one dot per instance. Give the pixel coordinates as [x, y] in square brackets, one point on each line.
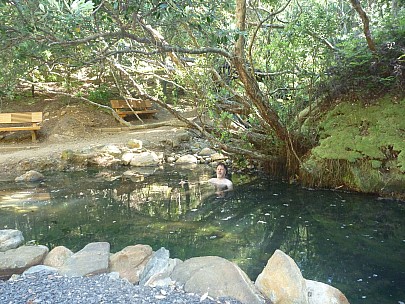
[281, 280]
[157, 265]
[91, 260]
[130, 261]
[15, 261]
[57, 257]
[218, 277]
[10, 239]
[321, 293]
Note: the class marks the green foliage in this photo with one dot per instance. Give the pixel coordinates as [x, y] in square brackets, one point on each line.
[101, 94]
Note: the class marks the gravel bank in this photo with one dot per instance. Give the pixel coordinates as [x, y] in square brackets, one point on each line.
[43, 287]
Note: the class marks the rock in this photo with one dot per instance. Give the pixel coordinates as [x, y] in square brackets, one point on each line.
[321, 293]
[41, 268]
[103, 160]
[145, 159]
[130, 262]
[112, 150]
[15, 261]
[218, 277]
[187, 159]
[281, 280]
[30, 176]
[135, 144]
[127, 157]
[91, 260]
[10, 239]
[158, 264]
[218, 157]
[206, 152]
[57, 256]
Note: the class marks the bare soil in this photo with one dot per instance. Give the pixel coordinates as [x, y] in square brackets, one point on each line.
[75, 125]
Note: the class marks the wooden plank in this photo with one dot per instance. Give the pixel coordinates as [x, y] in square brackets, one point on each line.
[12, 118]
[20, 128]
[136, 104]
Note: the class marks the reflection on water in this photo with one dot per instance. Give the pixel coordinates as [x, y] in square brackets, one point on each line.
[353, 242]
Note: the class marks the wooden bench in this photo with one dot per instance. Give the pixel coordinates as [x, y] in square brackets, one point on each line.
[139, 107]
[24, 121]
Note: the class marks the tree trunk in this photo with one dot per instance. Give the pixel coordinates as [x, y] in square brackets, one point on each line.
[366, 24]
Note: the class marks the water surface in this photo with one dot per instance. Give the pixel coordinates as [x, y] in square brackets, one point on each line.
[353, 242]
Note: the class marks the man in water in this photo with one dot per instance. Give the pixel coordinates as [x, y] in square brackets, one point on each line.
[221, 183]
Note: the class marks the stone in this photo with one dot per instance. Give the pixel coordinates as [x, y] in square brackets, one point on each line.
[281, 280]
[218, 157]
[145, 159]
[30, 176]
[10, 239]
[135, 144]
[41, 268]
[127, 157]
[112, 150]
[187, 159]
[131, 261]
[15, 261]
[206, 152]
[92, 259]
[157, 264]
[321, 293]
[57, 256]
[218, 277]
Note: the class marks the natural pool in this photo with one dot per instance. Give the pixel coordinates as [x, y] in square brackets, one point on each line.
[353, 242]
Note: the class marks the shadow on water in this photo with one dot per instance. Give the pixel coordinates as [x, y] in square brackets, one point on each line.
[353, 242]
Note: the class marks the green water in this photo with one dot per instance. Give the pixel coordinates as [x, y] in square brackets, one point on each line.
[353, 242]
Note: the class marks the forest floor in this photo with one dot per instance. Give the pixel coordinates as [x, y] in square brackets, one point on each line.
[75, 125]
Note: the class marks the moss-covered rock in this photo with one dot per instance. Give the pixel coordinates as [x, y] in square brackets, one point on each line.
[361, 147]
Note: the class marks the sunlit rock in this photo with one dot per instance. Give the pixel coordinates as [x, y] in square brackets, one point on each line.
[15, 261]
[41, 268]
[10, 239]
[91, 260]
[206, 152]
[320, 293]
[218, 157]
[57, 256]
[111, 149]
[187, 159]
[218, 277]
[135, 144]
[130, 261]
[144, 159]
[281, 280]
[30, 176]
[127, 157]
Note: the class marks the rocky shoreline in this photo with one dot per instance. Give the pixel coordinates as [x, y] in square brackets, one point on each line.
[140, 275]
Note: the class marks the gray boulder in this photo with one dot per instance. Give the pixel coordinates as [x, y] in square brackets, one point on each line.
[144, 159]
[91, 260]
[30, 176]
[187, 159]
[15, 261]
[218, 277]
[10, 239]
[157, 271]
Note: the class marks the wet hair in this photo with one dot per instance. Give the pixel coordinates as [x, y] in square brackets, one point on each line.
[223, 165]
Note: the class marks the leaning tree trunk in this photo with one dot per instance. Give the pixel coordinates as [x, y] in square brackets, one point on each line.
[251, 86]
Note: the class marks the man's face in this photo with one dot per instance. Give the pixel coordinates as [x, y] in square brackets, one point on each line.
[221, 172]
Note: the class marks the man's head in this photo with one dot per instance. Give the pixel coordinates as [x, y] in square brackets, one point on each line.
[221, 170]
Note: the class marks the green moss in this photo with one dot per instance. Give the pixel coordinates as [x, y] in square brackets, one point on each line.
[354, 132]
[360, 148]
